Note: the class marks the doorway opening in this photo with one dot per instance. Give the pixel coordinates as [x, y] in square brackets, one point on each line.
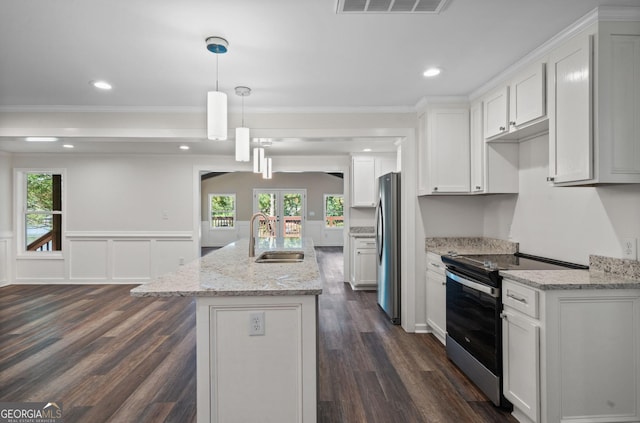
[286, 209]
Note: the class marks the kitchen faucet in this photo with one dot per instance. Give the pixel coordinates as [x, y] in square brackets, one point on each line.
[252, 238]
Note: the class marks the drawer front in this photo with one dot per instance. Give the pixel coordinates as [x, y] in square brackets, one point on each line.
[364, 243]
[435, 264]
[520, 297]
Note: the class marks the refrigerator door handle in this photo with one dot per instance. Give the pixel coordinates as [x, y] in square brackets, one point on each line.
[379, 230]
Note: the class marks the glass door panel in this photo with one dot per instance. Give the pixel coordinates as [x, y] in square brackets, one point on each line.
[285, 209]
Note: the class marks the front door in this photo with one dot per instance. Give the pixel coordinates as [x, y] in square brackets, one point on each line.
[286, 211]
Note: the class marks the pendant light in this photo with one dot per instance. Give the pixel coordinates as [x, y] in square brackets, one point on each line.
[258, 160]
[267, 172]
[216, 100]
[242, 132]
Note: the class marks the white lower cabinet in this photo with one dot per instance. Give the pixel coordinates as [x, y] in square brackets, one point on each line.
[364, 266]
[571, 355]
[436, 296]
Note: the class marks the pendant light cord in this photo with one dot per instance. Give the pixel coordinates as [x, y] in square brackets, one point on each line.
[243, 111]
[217, 71]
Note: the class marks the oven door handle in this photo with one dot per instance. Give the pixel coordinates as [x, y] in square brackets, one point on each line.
[494, 292]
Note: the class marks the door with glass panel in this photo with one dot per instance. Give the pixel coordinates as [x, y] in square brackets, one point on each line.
[286, 211]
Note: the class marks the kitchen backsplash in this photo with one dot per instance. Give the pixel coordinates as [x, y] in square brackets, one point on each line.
[470, 245]
[621, 267]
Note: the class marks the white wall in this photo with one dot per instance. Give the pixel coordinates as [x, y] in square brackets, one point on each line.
[6, 226]
[566, 223]
[126, 218]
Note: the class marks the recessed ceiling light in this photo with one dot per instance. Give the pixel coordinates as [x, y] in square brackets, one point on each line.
[184, 147]
[431, 72]
[41, 139]
[101, 85]
[68, 145]
[366, 150]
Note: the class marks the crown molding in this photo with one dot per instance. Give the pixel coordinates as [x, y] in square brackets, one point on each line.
[602, 13]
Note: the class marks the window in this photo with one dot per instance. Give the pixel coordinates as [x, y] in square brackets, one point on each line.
[334, 211]
[222, 211]
[42, 212]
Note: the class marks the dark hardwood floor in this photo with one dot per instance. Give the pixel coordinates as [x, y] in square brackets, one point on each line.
[109, 357]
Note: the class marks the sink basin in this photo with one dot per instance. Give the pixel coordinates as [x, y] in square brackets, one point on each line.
[280, 257]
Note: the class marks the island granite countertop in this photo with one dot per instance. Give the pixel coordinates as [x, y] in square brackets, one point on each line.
[230, 272]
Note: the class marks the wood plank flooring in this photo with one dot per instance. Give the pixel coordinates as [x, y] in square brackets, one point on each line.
[109, 357]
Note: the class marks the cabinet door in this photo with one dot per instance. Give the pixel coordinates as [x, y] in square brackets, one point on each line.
[436, 304]
[570, 111]
[521, 362]
[363, 173]
[477, 148]
[496, 113]
[366, 270]
[448, 144]
[527, 97]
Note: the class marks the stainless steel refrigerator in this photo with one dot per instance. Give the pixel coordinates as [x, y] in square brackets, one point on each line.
[388, 245]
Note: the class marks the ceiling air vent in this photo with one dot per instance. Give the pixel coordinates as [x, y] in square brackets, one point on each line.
[390, 6]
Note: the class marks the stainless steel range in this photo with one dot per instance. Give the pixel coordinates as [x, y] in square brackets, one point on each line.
[474, 304]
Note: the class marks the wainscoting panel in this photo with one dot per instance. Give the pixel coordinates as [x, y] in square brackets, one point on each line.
[89, 260]
[131, 259]
[36, 270]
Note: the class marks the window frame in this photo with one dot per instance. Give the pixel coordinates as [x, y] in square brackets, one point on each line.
[235, 212]
[324, 212]
[20, 213]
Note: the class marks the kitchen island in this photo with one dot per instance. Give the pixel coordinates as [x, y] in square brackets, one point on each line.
[256, 329]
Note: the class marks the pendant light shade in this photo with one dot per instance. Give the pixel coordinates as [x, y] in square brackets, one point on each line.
[216, 115]
[258, 160]
[242, 145]
[266, 171]
[242, 132]
[216, 100]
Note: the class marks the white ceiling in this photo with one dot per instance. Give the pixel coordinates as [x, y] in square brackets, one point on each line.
[295, 55]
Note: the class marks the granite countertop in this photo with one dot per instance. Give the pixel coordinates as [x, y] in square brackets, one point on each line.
[604, 273]
[362, 232]
[470, 245]
[547, 280]
[230, 272]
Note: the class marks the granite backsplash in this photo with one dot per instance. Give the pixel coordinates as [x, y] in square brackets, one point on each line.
[470, 245]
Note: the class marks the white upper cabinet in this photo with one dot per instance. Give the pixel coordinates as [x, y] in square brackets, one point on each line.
[363, 182]
[494, 166]
[496, 113]
[594, 106]
[517, 110]
[365, 171]
[448, 149]
[527, 99]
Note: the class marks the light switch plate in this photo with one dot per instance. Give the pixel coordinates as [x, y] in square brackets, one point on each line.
[629, 249]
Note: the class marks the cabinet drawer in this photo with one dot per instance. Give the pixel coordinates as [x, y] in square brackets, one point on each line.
[520, 297]
[364, 243]
[435, 264]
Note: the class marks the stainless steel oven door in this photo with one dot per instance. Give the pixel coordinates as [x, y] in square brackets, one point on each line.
[473, 321]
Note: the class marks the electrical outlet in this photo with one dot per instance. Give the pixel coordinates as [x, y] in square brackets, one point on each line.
[629, 250]
[256, 323]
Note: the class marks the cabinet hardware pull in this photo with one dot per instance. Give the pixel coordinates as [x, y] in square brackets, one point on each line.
[444, 283]
[478, 187]
[503, 315]
[435, 265]
[512, 123]
[550, 179]
[502, 128]
[435, 188]
[515, 297]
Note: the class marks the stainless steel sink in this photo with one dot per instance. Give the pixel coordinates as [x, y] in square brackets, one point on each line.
[281, 257]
